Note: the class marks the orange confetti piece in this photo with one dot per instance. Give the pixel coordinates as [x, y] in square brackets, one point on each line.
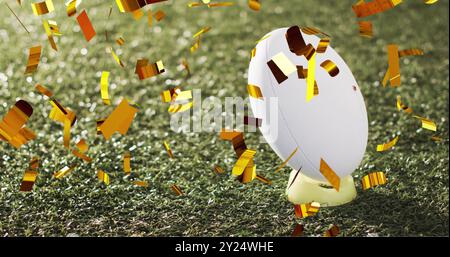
[332, 231]
[12, 126]
[86, 25]
[119, 120]
[329, 174]
[33, 59]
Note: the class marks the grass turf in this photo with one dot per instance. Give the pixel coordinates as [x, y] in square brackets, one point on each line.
[413, 203]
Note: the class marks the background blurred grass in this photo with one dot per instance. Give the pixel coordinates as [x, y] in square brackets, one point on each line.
[414, 202]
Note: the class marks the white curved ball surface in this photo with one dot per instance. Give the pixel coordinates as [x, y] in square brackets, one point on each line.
[332, 125]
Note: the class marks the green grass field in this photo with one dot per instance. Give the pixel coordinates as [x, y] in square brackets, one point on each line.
[414, 202]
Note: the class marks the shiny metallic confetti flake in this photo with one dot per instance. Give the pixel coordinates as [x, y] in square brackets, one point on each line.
[388, 145]
[103, 177]
[330, 175]
[30, 175]
[373, 179]
[86, 26]
[255, 5]
[119, 120]
[332, 231]
[33, 59]
[41, 8]
[12, 127]
[330, 67]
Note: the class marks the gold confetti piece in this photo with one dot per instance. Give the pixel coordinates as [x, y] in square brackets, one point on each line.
[50, 33]
[253, 53]
[218, 170]
[236, 138]
[249, 173]
[168, 150]
[43, 90]
[401, 106]
[314, 31]
[86, 25]
[60, 114]
[242, 162]
[393, 66]
[287, 160]
[329, 174]
[426, 123]
[133, 5]
[310, 79]
[138, 14]
[195, 46]
[180, 107]
[159, 15]
[365, 29]
[185, 65]
[119, 120]
[332, 231]
[141, 183]
[330, 67]
[194, 4]
[146, 70]
[362, 9]
[176, 189]
[120, 41]
[255, 5]
[63, 172]
[104, 88]
[306, 210]
[298, 230]
[254, 91]
[103, 177]
[33, 59]
[81, 155]
[297, 44]
[116, 58]
[12, 126]
[43, 7]
[251, 121]
[201, 32]
[23, 26]
[82, 146]
[388, 145]
[71, 8]
[263, 179]
[281, 67]
[373, 179]
[323, 45]
[221, 4]
[302, 73]
[29, 177]
[410, 52]
[430, 1]
[127, 163]
[436, 138]
[149, 18]
[169, 95]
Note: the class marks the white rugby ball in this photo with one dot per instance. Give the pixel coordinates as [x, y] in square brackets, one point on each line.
[331, 126]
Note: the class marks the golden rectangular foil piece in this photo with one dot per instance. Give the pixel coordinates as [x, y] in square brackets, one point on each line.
[402, 107]
[140, 183]
[133, 5]
[393, 65]
[81, 155]
[237, 140]
[195, 46]
[330, 67]
[185, 65]
[116, 58]
[287, 160]
[168, 150]
[194, 4]
[103, 177]
[254, 91]
[253, 53]
[249, 173]
[159, 15]
[12, 126]
[373, 179]
[174, 108]
[120, 41]
[221, 4]
[71, 8]
[298, 230]
[217, 169]
[281, 67]
[127, 163]
[41, 8]
[330, 175]
[30, 175]
[264, 180]
[104, 88]
[86, 26]
[176, 189]
[255, 5]
[138, 14]
[170, 95]
[313, 31]
[63, 172]
[242, 162]
[297, 44]
[33, 59]
[302, 73]
[388, 145]
[410, 52]
[119, 120]
[201, 32]
[362, 9]
[149, 18]
[332, 231]
[49, 29]
[323, 45]
[426, 123]
[311, 78]
[146, 70]
[306, 210]
[365, 29]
